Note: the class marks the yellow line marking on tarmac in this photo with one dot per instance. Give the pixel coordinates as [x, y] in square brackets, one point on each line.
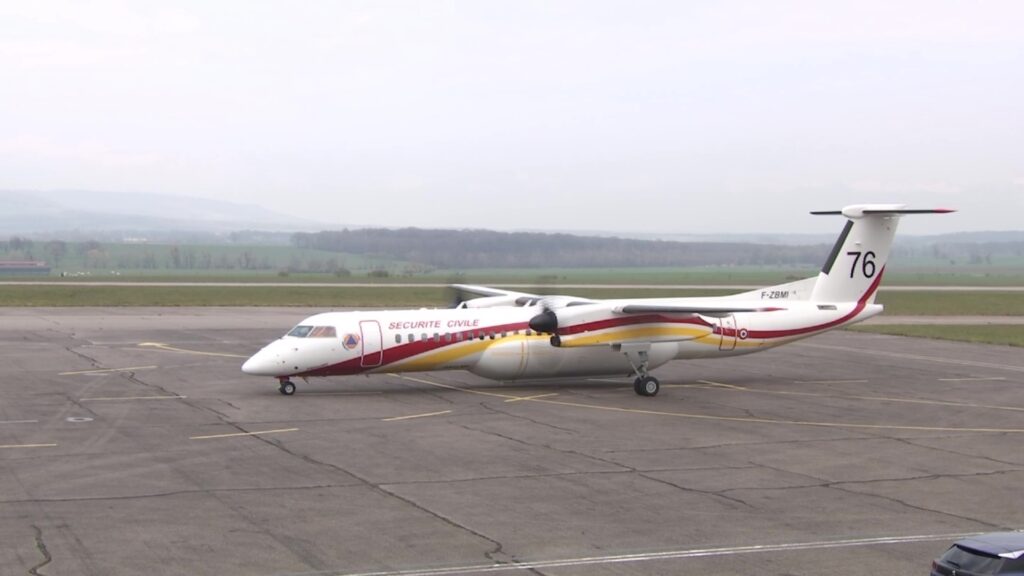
[978, 379]
[531, 397]
[169, 348]
[723, 418]
[111, 398]
[367, 393]
[27, 446]
[243, 434]
[450, 387]
[874, 398]
[397, 418]
[507, 397]
[830, 381]
[108, 370]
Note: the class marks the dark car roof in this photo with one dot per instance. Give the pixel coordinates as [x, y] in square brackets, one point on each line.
[1003, 544]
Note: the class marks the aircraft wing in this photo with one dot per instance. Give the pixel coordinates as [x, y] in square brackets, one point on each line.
[490, 297]
[703, 310]
[488, 291]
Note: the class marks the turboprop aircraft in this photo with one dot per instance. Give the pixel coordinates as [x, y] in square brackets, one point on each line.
[507, 335]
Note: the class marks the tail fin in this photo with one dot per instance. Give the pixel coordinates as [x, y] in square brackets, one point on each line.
[855, 266]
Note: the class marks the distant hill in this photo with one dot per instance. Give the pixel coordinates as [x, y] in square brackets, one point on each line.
[469, 249]
[84, 211]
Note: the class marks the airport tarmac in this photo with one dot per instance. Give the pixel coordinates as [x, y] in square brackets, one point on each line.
[131, 443]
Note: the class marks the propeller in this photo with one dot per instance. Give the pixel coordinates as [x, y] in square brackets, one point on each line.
[547, 321]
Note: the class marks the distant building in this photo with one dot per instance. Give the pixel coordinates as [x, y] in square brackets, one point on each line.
[23, 268]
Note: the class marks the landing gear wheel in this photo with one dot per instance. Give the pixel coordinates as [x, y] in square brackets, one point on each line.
[287, 388]
[647, 386]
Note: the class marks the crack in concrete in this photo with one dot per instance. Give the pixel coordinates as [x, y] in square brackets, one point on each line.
[842, 486]
[526, 418]
[919, 508]
[955, 452]
[565, 451]
[492, 554]
[92, 361]
[41, 546]
[718, 494]
[794, 442]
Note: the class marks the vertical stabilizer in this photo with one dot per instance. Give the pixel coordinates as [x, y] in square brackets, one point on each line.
[854, 267]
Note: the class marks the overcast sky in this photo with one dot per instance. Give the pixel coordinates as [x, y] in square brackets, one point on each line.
[664, 116]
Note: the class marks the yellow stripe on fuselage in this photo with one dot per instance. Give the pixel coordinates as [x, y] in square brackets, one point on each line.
[637, 333]
[449, 353]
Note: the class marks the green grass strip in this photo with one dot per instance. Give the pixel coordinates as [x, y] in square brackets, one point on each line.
[932, 303]
[1007, 335]
[896, 303]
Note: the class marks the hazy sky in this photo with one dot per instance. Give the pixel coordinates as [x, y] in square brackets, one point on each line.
[666, 116]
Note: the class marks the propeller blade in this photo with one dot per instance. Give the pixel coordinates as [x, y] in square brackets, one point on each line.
[546, 322]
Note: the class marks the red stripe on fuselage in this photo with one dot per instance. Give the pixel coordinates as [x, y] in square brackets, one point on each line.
[410, 349]
[629, 321]
[861, 304]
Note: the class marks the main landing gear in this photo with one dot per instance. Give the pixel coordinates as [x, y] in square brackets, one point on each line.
[645, 384]
[287, 387]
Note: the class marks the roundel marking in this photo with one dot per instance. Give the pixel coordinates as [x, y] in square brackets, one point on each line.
[744, 334]
[350, 341]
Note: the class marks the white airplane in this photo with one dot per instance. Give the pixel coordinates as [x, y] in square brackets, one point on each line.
[507, 335]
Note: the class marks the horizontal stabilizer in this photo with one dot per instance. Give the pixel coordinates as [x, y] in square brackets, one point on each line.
[861, 210]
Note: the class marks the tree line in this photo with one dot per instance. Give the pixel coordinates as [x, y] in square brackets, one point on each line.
[467, 249]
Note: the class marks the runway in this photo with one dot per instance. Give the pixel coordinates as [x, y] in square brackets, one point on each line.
[132, 443]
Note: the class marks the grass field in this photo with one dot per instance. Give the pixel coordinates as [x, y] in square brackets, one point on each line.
[896, 303]
[964, 276]
[988, 334]
[931, 303]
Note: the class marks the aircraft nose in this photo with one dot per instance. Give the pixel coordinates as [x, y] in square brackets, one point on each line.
[263, 363]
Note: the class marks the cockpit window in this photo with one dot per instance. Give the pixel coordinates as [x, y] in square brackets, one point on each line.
[314, 332]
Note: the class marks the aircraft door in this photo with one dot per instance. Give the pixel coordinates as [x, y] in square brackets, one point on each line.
[373, 352]
[727, 327]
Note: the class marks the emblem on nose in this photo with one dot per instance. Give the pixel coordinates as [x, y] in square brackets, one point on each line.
[350, 341]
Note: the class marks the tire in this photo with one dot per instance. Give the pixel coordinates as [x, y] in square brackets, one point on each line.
[650, 386]
[287, 388]
[638, 386]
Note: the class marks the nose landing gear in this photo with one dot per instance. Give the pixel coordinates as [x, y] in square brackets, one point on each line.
[287, 387]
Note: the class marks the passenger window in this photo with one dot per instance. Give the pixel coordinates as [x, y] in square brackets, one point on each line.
[437, 337]
[423, 337]
[529, 332]
[398, 338]
[458, 336]
[491, 335]
[447, 336]
[412, 337]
